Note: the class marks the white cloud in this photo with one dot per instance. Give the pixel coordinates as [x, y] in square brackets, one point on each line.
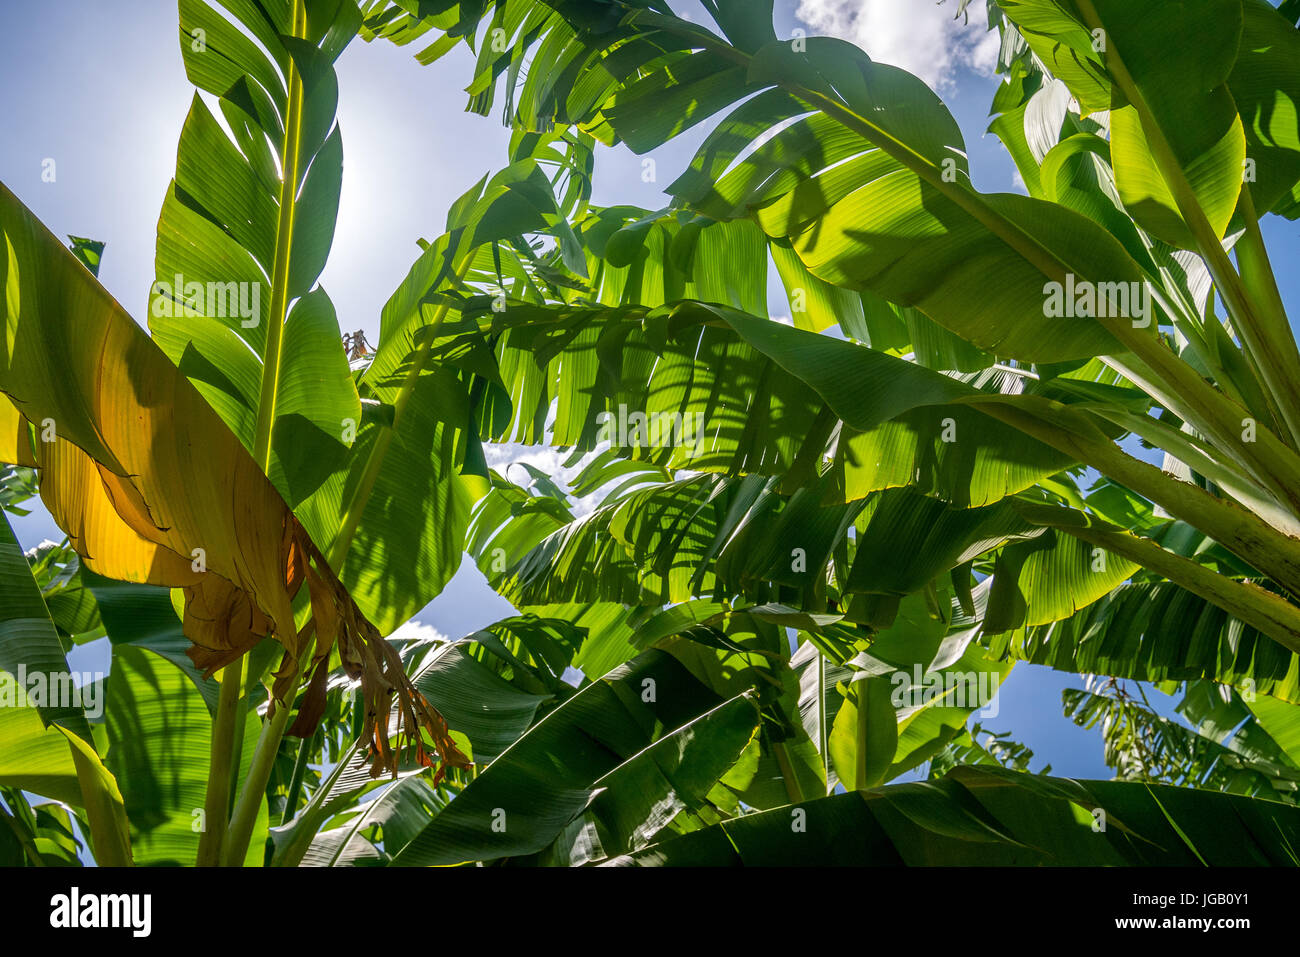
[920, 36]
[35, 552]
[542, 458]
[417, 631]
[550, 462]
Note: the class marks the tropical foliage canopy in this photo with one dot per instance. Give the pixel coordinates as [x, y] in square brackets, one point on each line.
[798, 556]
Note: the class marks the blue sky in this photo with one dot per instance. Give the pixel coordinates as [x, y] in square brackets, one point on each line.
[99, 88]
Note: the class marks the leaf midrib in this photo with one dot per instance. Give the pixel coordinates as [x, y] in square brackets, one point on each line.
[291, 161]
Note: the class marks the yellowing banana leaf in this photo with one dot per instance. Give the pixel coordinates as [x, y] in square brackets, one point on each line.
[155, 487]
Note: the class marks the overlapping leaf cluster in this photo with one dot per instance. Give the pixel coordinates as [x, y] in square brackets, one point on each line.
[792, 557]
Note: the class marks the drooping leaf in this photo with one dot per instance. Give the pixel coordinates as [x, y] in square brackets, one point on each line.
[520, 803]
[987, 816]
[144, 499]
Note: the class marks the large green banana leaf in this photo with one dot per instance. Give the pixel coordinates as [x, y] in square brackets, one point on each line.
[245, 230]
[984, 817]
[394, 516]
[675, 385]
[30, 646]
[1157, 631]
[522, 802]
[159, 732]
[49, 735]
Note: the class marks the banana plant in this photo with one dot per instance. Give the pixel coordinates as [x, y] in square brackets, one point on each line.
[1142, 745]
[861, 160]
[241, 219]
[245, 352]
[854, 178]
[789, 543]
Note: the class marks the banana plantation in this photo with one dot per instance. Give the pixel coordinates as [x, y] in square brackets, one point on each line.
[849, 441]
